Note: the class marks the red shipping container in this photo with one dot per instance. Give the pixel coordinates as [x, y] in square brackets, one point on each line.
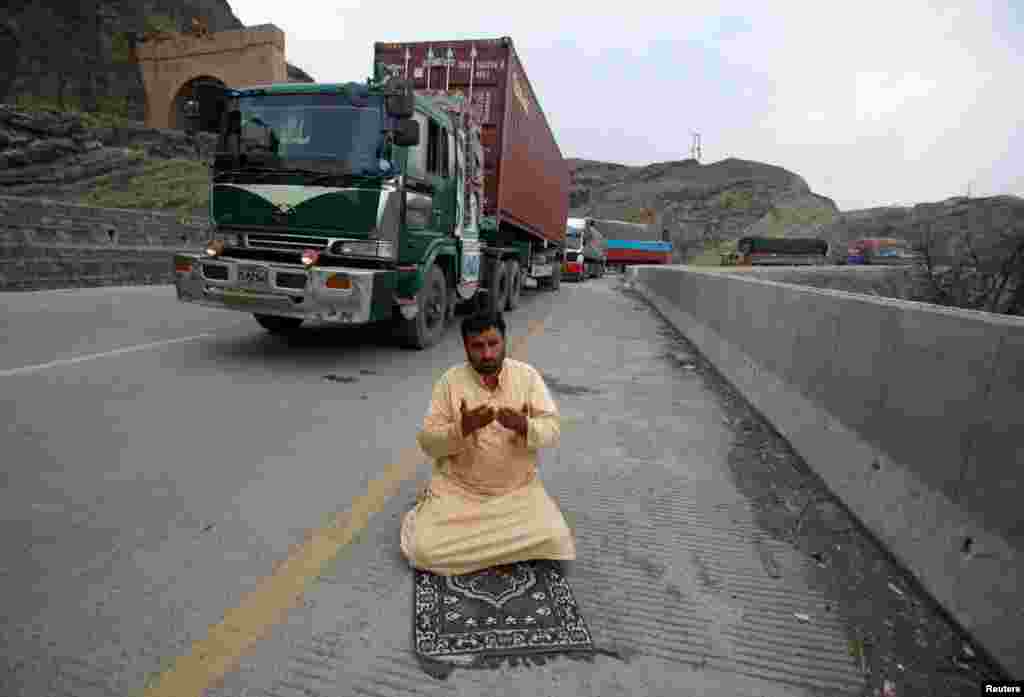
[527, 179]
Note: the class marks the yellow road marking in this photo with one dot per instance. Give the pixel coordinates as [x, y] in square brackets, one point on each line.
[219, 653]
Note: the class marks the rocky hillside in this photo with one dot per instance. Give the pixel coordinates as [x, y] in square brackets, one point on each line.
[62, 156]
[701, 205]
[704, 207]
[82, 50]
[951, 228]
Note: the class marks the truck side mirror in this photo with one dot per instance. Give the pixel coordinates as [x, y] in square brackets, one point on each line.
[407, 133]
[400, 106]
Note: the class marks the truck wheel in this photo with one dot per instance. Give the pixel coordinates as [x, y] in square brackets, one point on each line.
[278, 325]
[515, 284]
[497, 290]
[427, 327]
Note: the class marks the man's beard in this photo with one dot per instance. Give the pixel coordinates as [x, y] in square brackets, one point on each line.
[491, 368]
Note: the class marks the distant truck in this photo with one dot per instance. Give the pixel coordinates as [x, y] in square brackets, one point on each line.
[882, 251]
[781, 251]
[633, 243]
[586, 251]
[429, 186]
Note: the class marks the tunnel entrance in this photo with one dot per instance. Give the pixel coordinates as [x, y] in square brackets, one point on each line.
[208, 93]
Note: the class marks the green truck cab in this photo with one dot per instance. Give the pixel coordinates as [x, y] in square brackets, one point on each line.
[354, 204]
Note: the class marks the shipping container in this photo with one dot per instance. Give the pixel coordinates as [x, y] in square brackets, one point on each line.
[624, 257]
[526, 177]
[782, 251]
[621, 230]
[623, 252]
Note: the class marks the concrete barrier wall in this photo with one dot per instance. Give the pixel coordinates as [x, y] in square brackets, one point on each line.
[50, 244]
[912, 414]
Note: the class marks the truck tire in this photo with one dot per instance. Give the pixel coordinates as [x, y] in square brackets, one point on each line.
[515, 284]
[278, 325]
[497, 289]
[427, 327]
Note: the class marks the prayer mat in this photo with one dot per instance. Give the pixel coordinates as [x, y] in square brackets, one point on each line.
[522, 612]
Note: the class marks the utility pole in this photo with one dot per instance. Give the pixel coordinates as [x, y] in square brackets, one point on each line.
[695, 147]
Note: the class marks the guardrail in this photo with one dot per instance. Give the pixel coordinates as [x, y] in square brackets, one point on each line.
[912, 414]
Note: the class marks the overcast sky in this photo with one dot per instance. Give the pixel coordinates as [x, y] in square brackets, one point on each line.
[872, 103]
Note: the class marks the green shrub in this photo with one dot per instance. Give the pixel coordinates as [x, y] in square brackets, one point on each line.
[120, 49]
[780, 219]
[171, 185]
[160, 24]
[736, 200]
[110, 111]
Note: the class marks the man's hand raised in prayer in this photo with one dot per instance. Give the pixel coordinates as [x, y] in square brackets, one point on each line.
[515, 420]
[476, 419]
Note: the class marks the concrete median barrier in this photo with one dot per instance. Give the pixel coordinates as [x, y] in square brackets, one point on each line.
[912, 414]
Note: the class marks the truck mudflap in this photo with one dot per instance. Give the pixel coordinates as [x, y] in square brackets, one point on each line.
[335, 294]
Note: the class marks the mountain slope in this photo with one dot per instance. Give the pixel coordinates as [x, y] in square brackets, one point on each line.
[701, 205]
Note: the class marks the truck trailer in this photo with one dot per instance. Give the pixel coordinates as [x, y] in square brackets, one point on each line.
[634, 243]
[623, 253]
[390, 201]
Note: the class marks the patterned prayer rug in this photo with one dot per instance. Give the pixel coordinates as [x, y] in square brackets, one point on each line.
[479, 620]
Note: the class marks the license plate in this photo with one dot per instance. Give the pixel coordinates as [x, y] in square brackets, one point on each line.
[253, 275]
[238, 295]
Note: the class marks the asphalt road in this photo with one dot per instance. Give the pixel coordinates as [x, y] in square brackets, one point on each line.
[161, 460]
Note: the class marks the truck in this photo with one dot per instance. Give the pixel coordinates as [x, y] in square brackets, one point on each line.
[781, 251]
[586, 252]
[395, 200]
[634, 243]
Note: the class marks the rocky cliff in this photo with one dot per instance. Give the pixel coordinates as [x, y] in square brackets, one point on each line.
[700, 205]
[58, 155]
[81, 51]
[949, 227]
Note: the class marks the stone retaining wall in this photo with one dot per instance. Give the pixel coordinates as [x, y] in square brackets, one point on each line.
[50, 244]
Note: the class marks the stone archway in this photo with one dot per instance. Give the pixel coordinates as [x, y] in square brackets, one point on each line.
[209, 92]
[237, 58]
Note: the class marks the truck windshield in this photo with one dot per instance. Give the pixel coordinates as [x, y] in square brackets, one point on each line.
[331, 133]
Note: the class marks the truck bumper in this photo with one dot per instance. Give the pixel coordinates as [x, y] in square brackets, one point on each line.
[334, 294]
[575, 269]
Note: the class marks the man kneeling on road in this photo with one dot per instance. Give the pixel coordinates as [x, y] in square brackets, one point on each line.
[485, 505]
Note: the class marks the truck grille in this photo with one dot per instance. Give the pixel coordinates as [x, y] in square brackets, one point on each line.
[295, 281]
[215, 271]
[291, 243]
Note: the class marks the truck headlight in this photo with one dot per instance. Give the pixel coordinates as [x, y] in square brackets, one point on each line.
[310, 256]
[382, 249]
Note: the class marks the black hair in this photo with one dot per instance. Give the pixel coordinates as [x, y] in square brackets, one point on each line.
[482, 321]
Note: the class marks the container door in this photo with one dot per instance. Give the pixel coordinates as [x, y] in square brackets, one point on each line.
[466, 218]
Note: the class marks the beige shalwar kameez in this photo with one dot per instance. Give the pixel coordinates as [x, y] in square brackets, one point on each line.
[485, 505]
